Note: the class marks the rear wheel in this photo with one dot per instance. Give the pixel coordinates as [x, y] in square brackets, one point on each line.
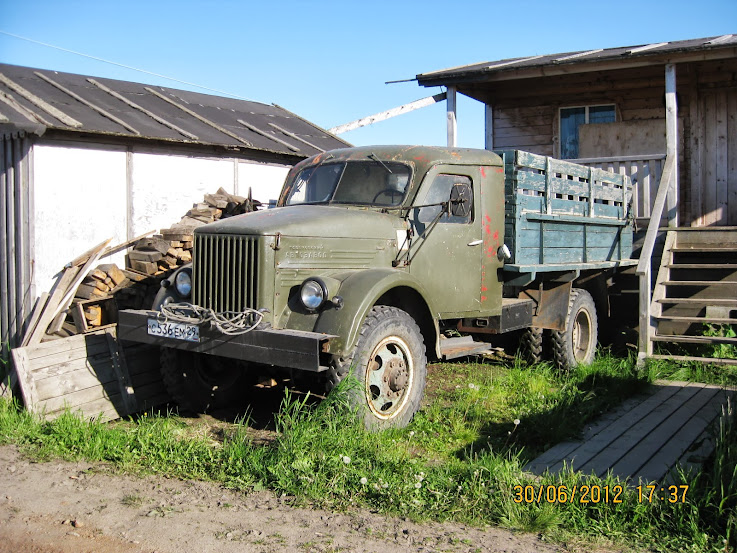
[531, 345]
[576, 345]
[201, 383]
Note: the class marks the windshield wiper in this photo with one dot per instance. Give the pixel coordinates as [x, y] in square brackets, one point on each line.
[384, 165]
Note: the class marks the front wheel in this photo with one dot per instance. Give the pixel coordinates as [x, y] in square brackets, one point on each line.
[390, 364]
[576, 345]
[200, 382]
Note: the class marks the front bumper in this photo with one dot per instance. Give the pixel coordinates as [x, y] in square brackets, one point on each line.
[292, 349]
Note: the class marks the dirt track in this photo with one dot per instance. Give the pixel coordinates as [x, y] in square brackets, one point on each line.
[62, 507]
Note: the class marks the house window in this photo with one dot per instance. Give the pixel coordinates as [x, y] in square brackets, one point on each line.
[572, 118]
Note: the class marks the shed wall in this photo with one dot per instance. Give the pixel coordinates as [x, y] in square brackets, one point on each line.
[87, 193]
[164, 187]
[80, 200]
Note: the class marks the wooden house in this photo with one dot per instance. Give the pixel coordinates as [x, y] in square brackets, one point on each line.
[666, 115]
[84, 159]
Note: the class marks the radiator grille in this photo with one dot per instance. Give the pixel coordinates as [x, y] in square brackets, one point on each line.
[224, 272]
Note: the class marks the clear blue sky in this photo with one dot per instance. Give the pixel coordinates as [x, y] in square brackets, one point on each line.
[328, 60]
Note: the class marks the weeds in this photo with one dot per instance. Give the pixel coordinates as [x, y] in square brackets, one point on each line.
[724, 351]
[460, 459]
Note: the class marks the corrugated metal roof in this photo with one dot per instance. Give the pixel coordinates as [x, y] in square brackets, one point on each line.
[479, 70]
[38, 99]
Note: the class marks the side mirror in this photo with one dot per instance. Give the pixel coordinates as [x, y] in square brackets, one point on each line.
[460, 200]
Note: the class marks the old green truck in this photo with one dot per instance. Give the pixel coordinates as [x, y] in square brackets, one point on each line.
[377, 259]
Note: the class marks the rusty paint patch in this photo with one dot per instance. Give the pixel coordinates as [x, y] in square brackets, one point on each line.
[499, 169]
[483, 171]
[496, 235]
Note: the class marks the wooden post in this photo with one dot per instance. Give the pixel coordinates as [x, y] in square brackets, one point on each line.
[489, 117]
[129, 192]
[671, 139]
[452, 125]
[646, 345]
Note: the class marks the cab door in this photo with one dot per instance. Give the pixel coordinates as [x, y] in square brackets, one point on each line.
[446, 250]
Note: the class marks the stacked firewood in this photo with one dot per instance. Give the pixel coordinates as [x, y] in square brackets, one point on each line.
[173, 246]
[157, 255]
[100, 282]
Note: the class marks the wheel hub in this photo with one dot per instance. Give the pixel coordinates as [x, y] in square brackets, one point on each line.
[388, 377]
[397, 375]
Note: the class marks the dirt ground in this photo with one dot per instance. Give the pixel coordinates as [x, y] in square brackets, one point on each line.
[61, 507]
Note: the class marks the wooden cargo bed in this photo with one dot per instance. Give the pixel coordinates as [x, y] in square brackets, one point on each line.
[563, 216]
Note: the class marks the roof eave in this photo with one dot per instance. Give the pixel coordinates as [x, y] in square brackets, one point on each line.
[61, 132]
[577, 66]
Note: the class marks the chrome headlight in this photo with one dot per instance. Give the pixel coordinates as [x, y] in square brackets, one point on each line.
[183, 283]
[313, 294]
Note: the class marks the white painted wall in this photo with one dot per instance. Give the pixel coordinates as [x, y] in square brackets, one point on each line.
[265, 181]
[79, 201]
[165, 187]
[81, 196]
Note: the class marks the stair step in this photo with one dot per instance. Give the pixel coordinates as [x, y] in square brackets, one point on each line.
[705, 320]
[694, 339]
[462, 346]
[686, 358]
[698, 282]
[699, 301]
[702, 266]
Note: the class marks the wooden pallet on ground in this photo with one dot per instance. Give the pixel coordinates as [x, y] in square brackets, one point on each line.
[646, 437]
[89, 373]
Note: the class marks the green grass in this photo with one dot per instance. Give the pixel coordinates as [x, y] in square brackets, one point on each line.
[460, 459]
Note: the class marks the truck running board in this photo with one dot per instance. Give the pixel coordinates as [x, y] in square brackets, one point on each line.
[453, 348]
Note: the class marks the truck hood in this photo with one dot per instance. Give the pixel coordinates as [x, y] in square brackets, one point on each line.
[310, 221]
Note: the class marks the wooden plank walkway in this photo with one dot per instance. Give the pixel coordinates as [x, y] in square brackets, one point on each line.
[646, 435]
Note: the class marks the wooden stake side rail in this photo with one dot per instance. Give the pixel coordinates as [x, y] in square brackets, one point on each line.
[561, 213]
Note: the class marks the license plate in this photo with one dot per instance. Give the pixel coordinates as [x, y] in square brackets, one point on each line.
[178, 331]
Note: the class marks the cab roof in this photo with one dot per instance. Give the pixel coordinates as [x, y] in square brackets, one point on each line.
[420, 157]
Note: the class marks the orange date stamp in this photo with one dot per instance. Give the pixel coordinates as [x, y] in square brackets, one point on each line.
[595, 493]
[564, 494]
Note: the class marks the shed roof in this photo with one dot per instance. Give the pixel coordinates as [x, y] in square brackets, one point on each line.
[586, 60]
[35, 100]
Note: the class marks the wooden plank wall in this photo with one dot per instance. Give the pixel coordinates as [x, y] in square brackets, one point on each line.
[525, 116]
[16, 240]
[718, 200]
[90, 373]
[526, 112]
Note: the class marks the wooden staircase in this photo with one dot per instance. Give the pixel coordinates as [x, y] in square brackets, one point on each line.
[695, 291]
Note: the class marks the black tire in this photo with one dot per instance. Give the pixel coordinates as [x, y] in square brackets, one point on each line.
[531, 345]
[201, 383]
[390, 365]
[576, 345]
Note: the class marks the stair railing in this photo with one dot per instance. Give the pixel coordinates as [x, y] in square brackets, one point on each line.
[644, 266]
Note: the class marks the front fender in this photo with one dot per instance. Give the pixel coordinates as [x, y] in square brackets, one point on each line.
[360, 291]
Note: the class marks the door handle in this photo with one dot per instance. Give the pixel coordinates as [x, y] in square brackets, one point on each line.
[475, 243]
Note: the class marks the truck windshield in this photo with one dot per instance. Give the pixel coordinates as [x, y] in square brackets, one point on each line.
[371, 182]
